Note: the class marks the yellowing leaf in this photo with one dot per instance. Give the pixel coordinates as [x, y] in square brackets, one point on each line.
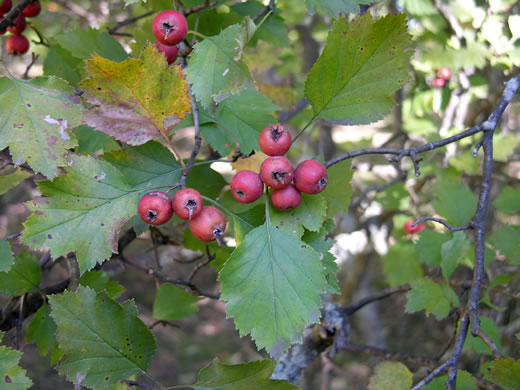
[135, 100]
[252, 163]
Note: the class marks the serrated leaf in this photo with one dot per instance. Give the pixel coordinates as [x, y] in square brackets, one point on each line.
[100, 281]
[135, 100]
[171, 303]
[465, 381]
[239, 118]
[84, 43]
[434, 298]
[216, 69]
[476, 344]
[362, 65]
[401, 264]
[310, 214]
[455, 202]
[504, 146]
[508, 201]
[253, 375]
[22, 277]
[42, 330]
[101, 340]
[6, 255]
[391, 375]
[11, 180]
[338, 191]
[336, 7]
[429, 247]
[96, 198]
[331, 267]
[272, 284]
[35, 120]
[453, 251]
[92, 141]
[247, 221]
[504, 372]
[11, 373]
[506, 240]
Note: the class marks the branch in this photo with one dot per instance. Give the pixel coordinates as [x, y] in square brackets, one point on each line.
[443, 222]
[200, 7]
[11, 16]
[113, 30]
[263, 11]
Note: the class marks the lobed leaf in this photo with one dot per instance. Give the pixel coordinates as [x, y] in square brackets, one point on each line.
[506, 240]
[23, 276]
[11, 180]
[6, 255]
[42, 330]
[11, 373]
[434, 298]
[391, 375]
[505, 372]
[453, 251]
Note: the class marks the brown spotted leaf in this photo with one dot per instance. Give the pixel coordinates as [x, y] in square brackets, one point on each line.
[35, 120]
[135, 100]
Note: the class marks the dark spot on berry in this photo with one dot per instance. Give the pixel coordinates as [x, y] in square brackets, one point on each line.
[102, 224]
[240, 194]
[7, 379]
[49, 236]
[107, 378]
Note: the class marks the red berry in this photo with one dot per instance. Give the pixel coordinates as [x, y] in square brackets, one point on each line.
[311, 177]
[170, 52]
[187, 203]
[170, 27]
[17, 45]
[415, 229]
[209, 225]
[246, 186]
[155, 208]
[444, 73]
[276, 172]
[5, 6]
[274, 140]
[33, 9]
[286, 198]
[18, 25]
[438, 82]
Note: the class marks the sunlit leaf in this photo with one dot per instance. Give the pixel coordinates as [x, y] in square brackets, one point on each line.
[434, 298]
[391, 375]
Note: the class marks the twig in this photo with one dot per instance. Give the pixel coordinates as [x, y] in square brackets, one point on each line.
[389, 355]
[356, 203]
[113, 30]
[11, 16]
[198, 267]
[349, 310]
[263, 11]
[285, 116]
[442, 222]
[40, 36]
[200, 7]
[34, 58]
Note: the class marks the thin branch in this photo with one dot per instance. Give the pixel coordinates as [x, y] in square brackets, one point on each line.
[269, 7]
[200, 7]
[443, 222]
[198, 267]
[349, 310]
[11, 16]
[286, 116]
[34, 58]
[113, 30]
[356, 203]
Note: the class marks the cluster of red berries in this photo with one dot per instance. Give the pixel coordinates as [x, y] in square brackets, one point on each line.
[170, 28]
[310, 177]
[17, 44]
[442, 75]
[207, 223]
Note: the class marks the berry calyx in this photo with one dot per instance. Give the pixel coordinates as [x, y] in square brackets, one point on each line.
[170, 52]
[274, 140]
[33, 9]
[438, 82]
[170, 27]
[187, 203]
[17, 45]
[311, 177]
[209, 225]
[246, 186]
[276, 172]
[155, 208]
[286, 198]
[18, 25]
[5, 6]
[444, 73]
[409, 229]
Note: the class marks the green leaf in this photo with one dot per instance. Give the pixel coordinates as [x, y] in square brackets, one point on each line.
[508, 202]
[401, 265]
[272, 284]
[336, 7]
[338, 191]
[206, 180]
[171, 303]
[455, 202]
[504, 146]
[504, 372]
[506, 240]
[239, 118]
[434, 298]
[101, 340]
[92, 141]
[329, 263]
[391, 375]
[465, 381]
[100, 281]
[453, 251]
[22, 277]
[35, 120]
[96, 198]
[362, 65]
[42, 330]
[499, 279]
[11, 180]
[395, 197]
[85, 43]
[429, 247]
[216, 68]
[310, 214]
[222, 253]
[136, 100]
[11, 373]
[6, 255]
[61, 63]
[247, 221]
[253, 375]
[476, 344]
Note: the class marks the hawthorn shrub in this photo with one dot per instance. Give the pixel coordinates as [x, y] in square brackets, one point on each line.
[395, 267]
